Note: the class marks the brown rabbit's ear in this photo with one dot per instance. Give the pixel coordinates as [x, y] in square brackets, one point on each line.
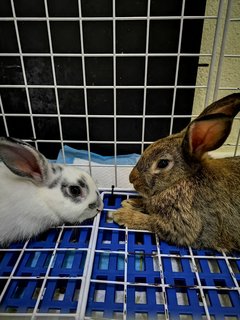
[229, 105]
[205, 134]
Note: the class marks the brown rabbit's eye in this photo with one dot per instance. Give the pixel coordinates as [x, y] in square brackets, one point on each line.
[163, 163]
[75, 191]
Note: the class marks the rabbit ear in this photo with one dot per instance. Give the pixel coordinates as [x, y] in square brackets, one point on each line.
[229, 105]
[205, 134]
[23, 160]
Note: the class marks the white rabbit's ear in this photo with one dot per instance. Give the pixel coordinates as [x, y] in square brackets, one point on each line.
[205, 134]
[23, 160]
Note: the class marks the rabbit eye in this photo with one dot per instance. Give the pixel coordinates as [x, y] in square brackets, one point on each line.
[163, 163]
[75, 191]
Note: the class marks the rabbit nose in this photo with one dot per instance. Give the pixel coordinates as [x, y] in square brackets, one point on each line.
[98, 204]
[133, 175]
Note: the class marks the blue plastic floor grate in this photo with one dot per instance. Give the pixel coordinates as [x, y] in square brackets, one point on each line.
[100, 271]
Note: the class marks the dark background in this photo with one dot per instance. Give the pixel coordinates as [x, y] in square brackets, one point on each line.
[164, 27]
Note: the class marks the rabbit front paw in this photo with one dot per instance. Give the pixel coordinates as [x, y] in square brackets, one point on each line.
[133, 204]
[132, 219]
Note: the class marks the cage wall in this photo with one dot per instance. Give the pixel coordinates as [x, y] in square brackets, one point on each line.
[80, 73]
[92, 83]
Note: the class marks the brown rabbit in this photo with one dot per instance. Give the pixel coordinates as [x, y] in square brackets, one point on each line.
[187, 197]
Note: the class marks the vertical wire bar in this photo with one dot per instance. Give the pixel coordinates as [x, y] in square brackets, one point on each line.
[4, 117]
[199, 285]
[213, 62]
[177, 66]
[237, 143]
[145, 76]
[221, 56]
[231, 272]
[13, 271]
[161, 271]
[41, 291]
[84, 86]
[125, 275]
[24, 72]
[86, 279]
[54, 78]
[114, 92]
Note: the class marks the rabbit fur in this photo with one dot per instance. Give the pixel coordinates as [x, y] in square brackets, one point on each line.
[36, 195]
[187, 197]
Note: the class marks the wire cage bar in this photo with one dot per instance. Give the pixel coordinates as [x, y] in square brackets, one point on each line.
[110, 77]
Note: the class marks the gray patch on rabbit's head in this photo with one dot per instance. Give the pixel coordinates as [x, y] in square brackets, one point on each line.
[83, 183]
[57, 175]
[54, 182]
[56, 169]
[83, 188]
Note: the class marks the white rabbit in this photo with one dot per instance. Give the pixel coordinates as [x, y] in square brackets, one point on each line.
[36, 195]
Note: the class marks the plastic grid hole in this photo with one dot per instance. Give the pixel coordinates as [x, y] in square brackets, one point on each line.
[111, 240]
[60, 296]
[45, 240]
[235, 265]
[140, 296]
[177, 270]
[143, 300]
[77, 237]
[161, 316]
[155, 260]
[34, 263]
[184, 301]
[7, 261]
[224, 303]
[109, 266]
[185, 317]
[217, 273]
[21, 296]
[109, 217]
[102, 295]
[69, 263]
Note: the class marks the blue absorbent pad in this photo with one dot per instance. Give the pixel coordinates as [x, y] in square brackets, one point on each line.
[71, 154]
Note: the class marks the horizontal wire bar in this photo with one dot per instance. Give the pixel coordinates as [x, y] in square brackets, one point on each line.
[103, 142]
[43, 277]
[103, 116]
[71, 316]
[231, 55]
[163, 255]
[159, 285]
[99, 55]
[138, 284]
[50, 86]
[109, 18]
[46, 249]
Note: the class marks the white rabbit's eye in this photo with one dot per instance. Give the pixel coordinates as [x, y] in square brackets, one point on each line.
[75, 191]
[163, 163]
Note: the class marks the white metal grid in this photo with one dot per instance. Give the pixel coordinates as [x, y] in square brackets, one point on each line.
[212, 87]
